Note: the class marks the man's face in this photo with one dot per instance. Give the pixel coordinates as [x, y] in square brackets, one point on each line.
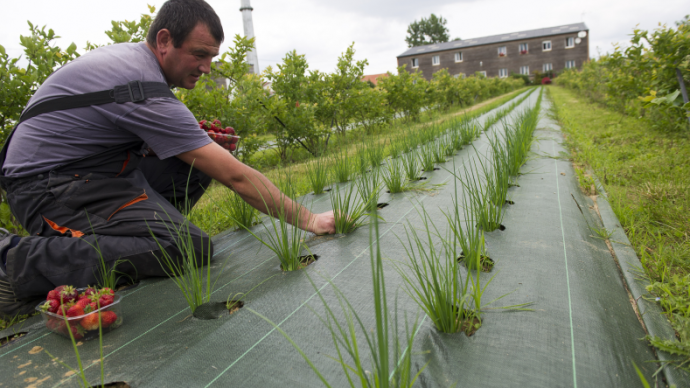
[184, 65]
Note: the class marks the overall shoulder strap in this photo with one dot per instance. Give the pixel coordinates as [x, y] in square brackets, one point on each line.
[134, 91]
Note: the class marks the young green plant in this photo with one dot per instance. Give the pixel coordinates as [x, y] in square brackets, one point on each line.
[394, 177]
[317, 173]
[348, 211]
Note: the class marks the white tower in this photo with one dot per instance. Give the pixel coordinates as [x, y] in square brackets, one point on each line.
[252, 57]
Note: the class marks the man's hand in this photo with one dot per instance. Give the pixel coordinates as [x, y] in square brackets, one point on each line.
[322, 223]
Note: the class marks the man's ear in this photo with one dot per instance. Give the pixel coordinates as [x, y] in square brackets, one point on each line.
[164, 40]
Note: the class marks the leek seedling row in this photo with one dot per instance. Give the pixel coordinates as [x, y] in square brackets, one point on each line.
[411, 166]
[426, 157]
[369, 186]
[342, 167]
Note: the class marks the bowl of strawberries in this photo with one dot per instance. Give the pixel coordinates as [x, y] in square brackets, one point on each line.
[78, 309]
[225, 137]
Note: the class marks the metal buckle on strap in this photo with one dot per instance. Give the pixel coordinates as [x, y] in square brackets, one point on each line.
[132, 91]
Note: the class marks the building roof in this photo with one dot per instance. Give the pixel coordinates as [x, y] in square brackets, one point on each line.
[495, 39]
[373, 78]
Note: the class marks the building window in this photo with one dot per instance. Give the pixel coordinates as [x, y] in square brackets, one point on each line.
[458, 57]
[524, 70]
[546, 45]
[547, 67]
[435, 60]
[460, 75]
[415, 62]
[483, 73]
[502, 52]
[502, 73]
[523, 48]
[569, 64]
[569, 42]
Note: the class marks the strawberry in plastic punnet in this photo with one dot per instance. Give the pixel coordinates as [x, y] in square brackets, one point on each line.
[68, 294]
[90, 322]
[50, 306]
[106, 300]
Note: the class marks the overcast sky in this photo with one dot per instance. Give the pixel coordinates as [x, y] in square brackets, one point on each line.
[322, 30]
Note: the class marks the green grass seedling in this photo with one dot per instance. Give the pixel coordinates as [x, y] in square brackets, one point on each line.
[433, 280]
[439, 148]
[394, 148]
[488, 215]
[347, 209]
[342, 168]
[411, 166]
[242, 213]
[465, 234]
[394, 177]
[375, 154]
[317, 172]
[426, 157]
[386, 370]
[369, 187]
[362, 159]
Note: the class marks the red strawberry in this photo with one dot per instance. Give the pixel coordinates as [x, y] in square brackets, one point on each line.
[217, 122]
[54, 295]
[90, 291]
[234, 139]
[62, 310]
[53, 324]
[93, 306]
[230, 130]
[68, 294]
[105, 300]
[51, 306]
[77, 332]
[75, 311]
[204, 124]
[108, 318]
[83, 302]
[232, 147]
[106, 291]
[90, 322]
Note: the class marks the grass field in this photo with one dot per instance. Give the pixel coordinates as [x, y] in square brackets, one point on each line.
[646, 174]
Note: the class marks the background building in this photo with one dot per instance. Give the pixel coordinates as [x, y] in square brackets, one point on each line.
[544, 49]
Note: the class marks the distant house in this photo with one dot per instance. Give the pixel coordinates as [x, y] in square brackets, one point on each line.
[373, 78]
[544, 49]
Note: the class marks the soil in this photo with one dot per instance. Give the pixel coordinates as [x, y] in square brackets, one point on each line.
[116, 384]
[381, 205]
[6, 340]
[500, 227]
[509, 202]
[436, 169]
[305, 261]
[236, 305]
[470, 325]
[512, 185]
[486, 262]
[421, 178]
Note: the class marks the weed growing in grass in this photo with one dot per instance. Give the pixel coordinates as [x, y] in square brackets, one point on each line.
[342, 167]
[242, 213]
[368, 187]
[317, 172]
[386, 370]
[347, 210]
[426, 157]
[411, 166]
[393, 177]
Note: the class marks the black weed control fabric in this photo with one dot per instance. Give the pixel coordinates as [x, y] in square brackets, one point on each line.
[582, 330]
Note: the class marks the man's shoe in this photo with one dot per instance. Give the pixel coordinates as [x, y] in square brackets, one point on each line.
[10, 306]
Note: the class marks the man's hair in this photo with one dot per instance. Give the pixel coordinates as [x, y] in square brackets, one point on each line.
[180, 17]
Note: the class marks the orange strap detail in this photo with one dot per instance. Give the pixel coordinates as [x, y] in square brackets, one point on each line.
[63, 229]
[140, 198]
[124, 165]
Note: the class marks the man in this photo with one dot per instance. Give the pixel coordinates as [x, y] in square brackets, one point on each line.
[80, 178]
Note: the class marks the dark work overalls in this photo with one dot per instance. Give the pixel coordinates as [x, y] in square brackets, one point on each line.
[114, 200]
